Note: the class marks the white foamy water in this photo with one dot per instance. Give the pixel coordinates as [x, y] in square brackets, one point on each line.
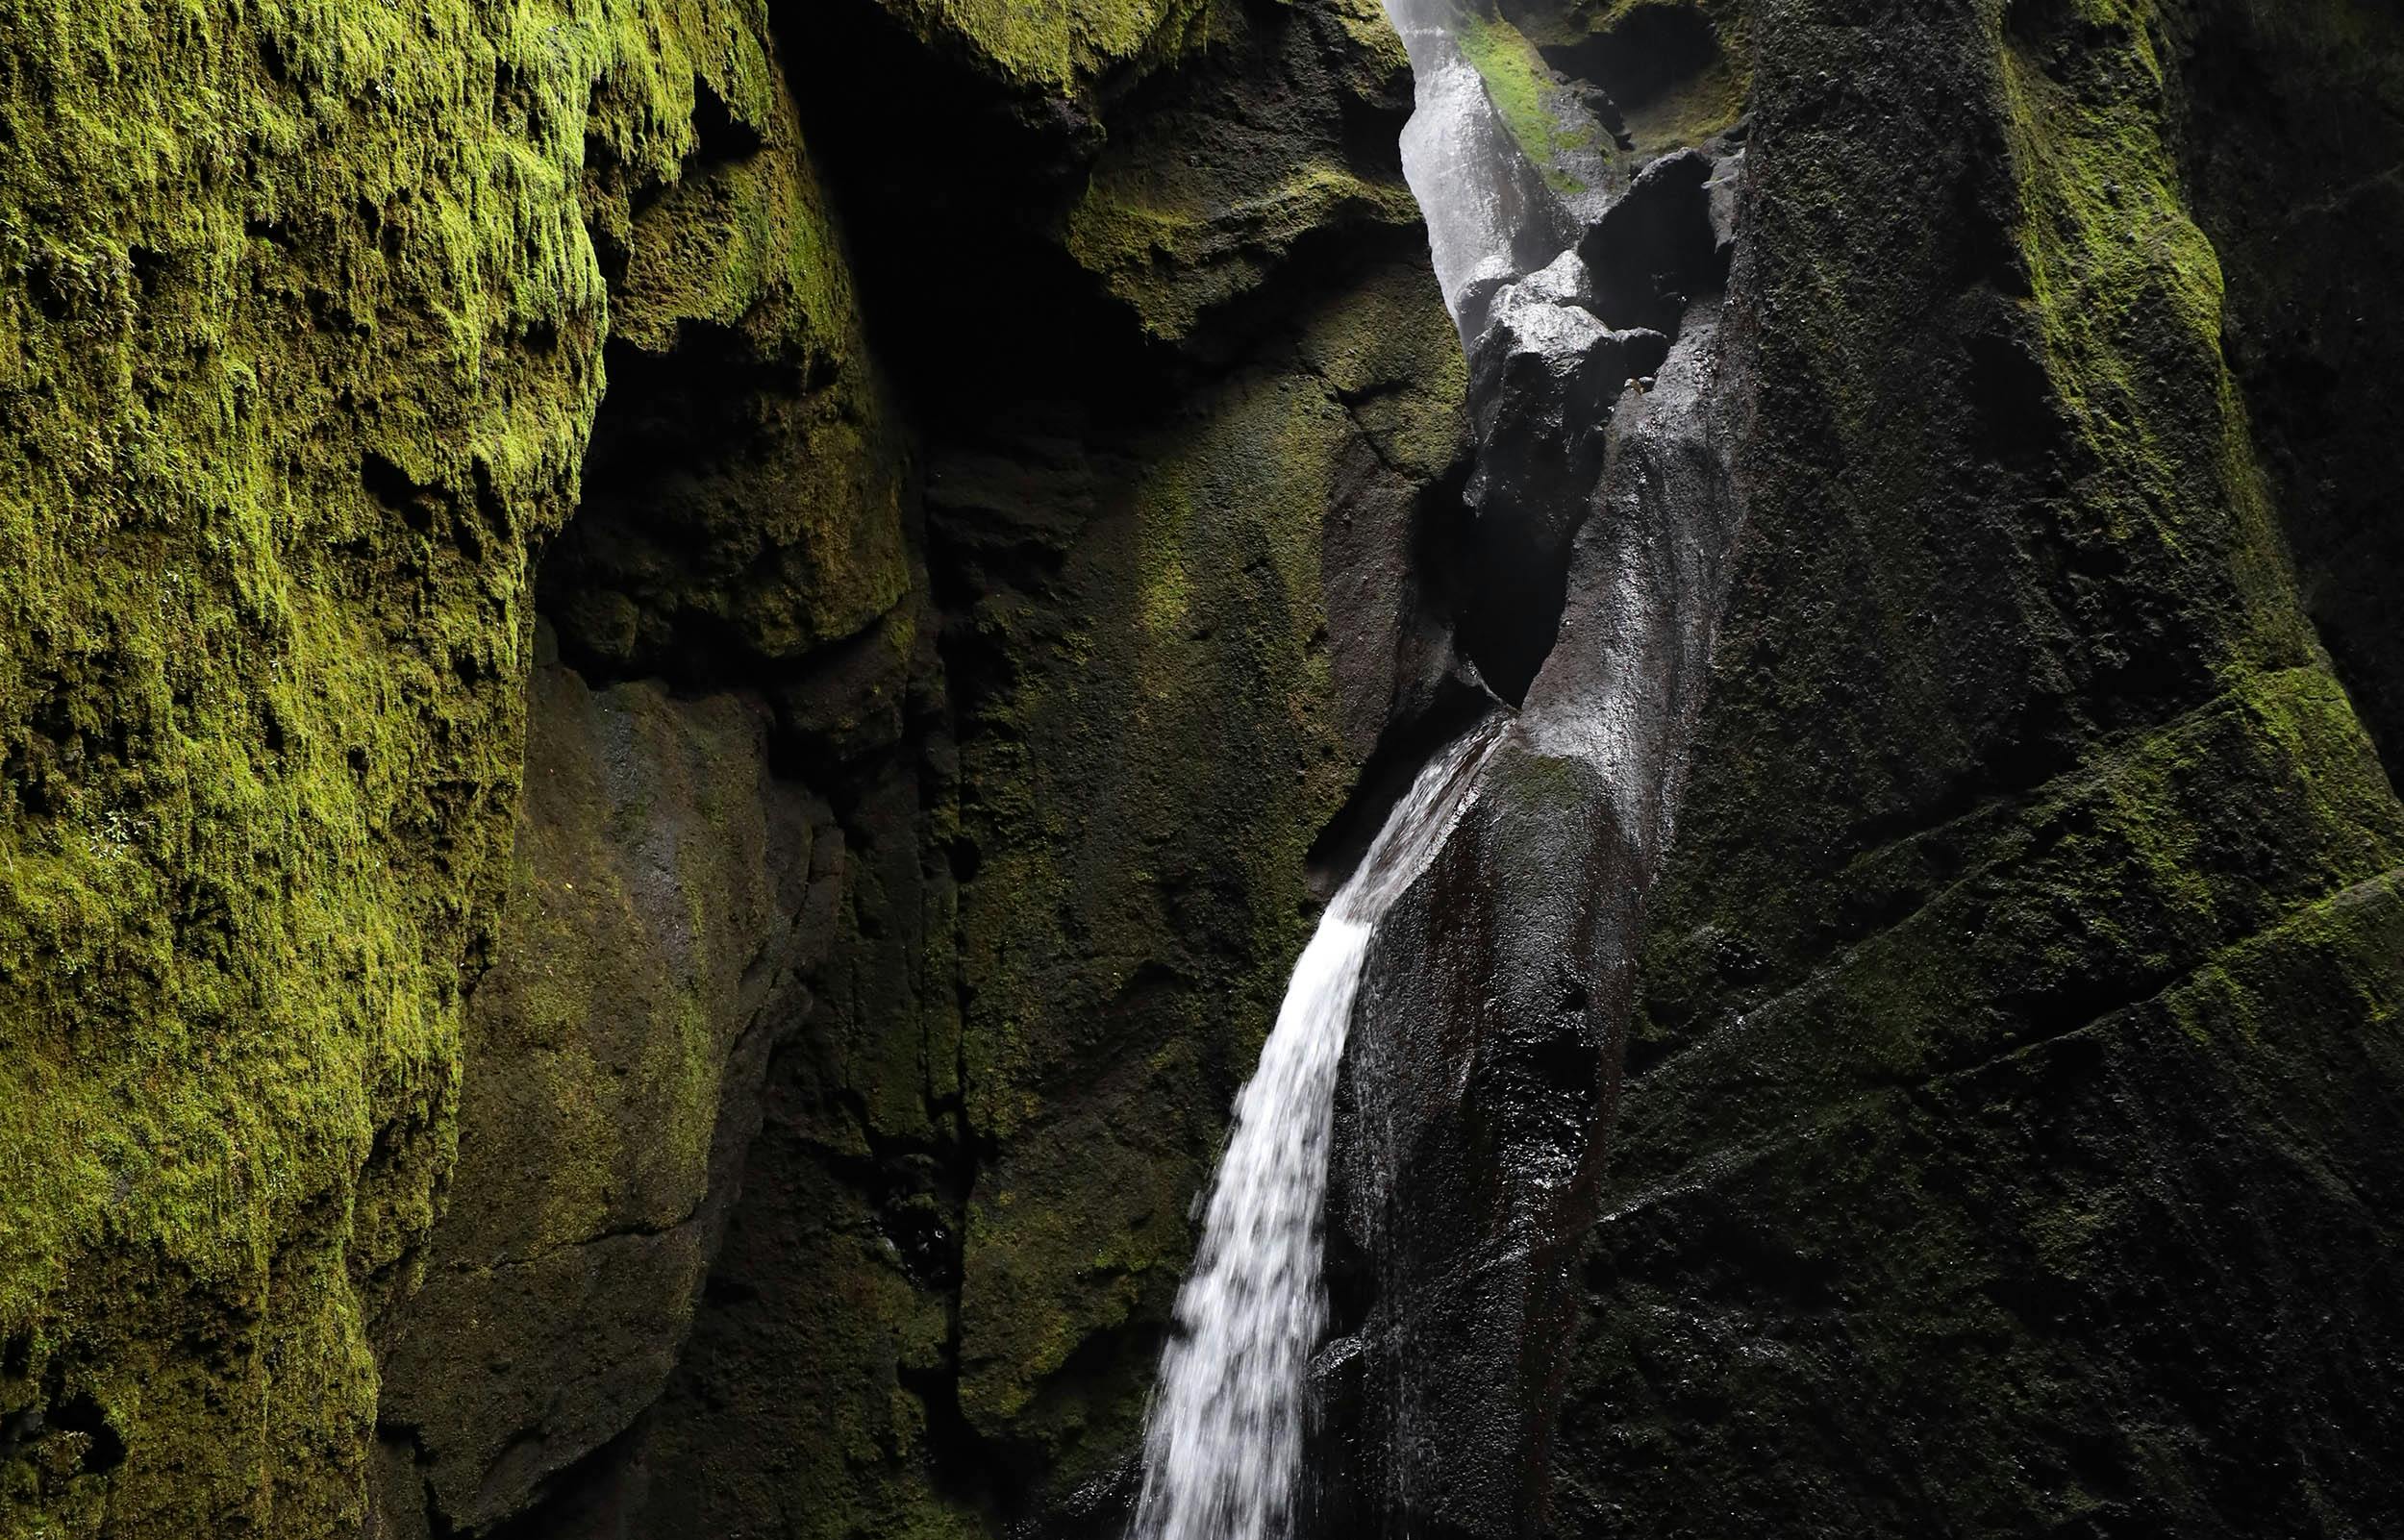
[1490, 218]
[1224, 1451]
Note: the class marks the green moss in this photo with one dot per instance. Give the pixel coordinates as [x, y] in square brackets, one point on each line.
[1529, 98]
[1667, 97]
[1171, 244]
[301, 330]
[767, 508]
[1241, 156]
[1060, 47]
[2127, 295]
[1992, 980]
[2337, 960]
[615, 1048]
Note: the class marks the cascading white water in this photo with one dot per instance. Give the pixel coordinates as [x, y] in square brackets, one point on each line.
[1491, 217]
[1224, 1451]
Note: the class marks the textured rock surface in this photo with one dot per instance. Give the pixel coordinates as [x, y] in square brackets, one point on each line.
[304, 313]
[666, 894]
[1007, 630]
[1479, 1079]
[2289, 126]
[2016, 1031]
[2015, 1077]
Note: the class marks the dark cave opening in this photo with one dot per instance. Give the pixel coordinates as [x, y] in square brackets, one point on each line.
[1513, 582]
[1648, 52]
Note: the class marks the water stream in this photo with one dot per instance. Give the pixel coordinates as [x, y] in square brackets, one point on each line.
[1224, 1444]
[1223, 1450]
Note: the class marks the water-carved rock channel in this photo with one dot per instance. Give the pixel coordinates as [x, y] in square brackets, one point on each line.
[1603, 515]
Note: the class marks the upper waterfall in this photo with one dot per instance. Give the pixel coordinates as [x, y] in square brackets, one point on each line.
[1490, 218]
[1491, 213]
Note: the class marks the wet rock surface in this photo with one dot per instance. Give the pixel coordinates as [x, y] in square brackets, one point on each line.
[1025, 539]
[1482, 1074]
[1970, 1168]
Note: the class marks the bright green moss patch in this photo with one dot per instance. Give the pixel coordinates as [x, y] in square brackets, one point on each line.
[1529, 98]
[1680, 68]
[1060, 46]
[299, 346]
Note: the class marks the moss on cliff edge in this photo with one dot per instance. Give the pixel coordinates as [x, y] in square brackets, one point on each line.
[1246, 157]
[2127, 294]
[1059, 47]
[1532, 101]
[745, 487]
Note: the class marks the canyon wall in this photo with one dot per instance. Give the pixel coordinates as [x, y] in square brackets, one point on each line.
[677, 676]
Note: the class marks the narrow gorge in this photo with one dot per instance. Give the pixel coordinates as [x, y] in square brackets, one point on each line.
[680, 681]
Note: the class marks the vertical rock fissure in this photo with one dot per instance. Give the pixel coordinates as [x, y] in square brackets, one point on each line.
[1589, 319]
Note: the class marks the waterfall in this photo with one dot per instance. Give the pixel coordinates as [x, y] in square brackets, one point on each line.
[1549, 378]
[1224, 1451]
[1490, 218]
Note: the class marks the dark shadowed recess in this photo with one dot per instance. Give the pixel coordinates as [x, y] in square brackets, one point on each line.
[950, 190]
[1650, 51]
[667, 424]
[954, 193]
[2291, 123]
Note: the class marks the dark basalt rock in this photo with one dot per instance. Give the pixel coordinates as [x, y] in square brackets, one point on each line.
[1973, 1174]
[2287, 129]
[1946, 1192]
[667, 900]
[1659, 244]
[1482, 1071]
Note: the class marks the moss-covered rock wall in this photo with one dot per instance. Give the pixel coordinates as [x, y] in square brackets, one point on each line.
[306, 313]
[992, 476]
[2016, 1071]
[301, 345]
